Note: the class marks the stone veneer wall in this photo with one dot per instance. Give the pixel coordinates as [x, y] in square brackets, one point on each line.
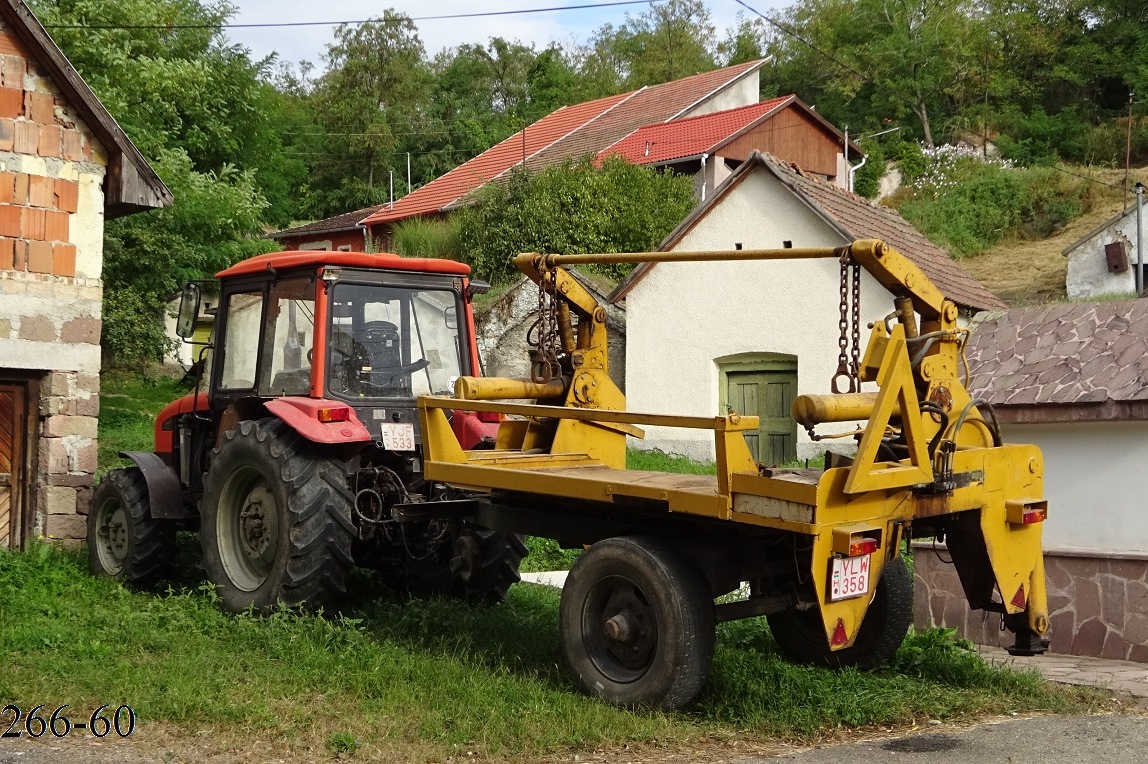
[1097, 606]
[51, 294]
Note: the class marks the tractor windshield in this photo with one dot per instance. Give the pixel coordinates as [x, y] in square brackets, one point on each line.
[392, 342]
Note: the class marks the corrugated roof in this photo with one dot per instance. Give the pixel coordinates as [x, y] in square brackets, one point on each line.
[854, 217]
[689, 137]
[472, 174]
[1076, 353]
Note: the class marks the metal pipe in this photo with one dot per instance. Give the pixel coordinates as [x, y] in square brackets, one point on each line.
[1139, 237]
[809, 410]
[505, 388]
[704, 158]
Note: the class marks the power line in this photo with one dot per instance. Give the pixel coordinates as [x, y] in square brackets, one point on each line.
[441, 17]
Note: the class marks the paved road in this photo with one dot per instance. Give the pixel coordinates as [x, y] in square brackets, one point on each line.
[1116, 739]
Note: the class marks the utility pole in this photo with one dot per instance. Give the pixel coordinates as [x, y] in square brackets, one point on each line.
[408, 172]
[1128, 150]
[1140, 234]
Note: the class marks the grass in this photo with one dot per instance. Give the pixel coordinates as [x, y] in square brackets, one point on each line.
[398, 680]
[419, 681]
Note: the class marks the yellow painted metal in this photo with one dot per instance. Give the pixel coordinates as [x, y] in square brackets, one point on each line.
[504, 388]
[576, 451]
[809, 410]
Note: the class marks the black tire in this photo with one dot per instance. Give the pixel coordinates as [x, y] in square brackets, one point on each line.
[124, 541]
[276, 520]
[637, 624]
[801, 635]
[479, 566]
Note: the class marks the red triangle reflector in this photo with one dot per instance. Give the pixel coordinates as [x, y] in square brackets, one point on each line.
[839, 636]
[1018, 599]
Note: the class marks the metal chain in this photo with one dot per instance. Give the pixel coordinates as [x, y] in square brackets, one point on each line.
[855, 361]
[544, 358]
[843, 367]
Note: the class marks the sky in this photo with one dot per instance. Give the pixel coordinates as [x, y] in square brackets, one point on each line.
[567, 27]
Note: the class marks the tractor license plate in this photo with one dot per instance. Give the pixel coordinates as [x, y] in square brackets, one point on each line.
[850, 578]
[398, 437]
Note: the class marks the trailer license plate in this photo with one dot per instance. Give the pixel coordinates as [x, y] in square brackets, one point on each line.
[398, 437]
[850, 578]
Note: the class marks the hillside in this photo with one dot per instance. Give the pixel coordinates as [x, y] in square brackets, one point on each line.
[1028, 272]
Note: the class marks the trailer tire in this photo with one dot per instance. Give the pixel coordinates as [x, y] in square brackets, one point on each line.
[124, 541]
[276, 520]
[478, 567]
[637, 624]
[801, 635]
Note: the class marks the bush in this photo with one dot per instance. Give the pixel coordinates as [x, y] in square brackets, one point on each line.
[423, 237]
[867, 180]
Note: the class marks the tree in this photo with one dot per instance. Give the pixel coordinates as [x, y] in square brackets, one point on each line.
[374, 94]
[572, 208]
[669, 41]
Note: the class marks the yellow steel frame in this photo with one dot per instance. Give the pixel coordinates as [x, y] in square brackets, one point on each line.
[577, 450]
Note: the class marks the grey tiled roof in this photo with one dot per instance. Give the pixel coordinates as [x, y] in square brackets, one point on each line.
[1062, 354]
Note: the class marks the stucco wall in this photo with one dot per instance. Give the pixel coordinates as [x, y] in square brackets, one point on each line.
[682, 316]
[1088, 274]
[745, 91]
[1092, 482]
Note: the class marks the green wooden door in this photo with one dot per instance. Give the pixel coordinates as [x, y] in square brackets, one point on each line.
[769, 395]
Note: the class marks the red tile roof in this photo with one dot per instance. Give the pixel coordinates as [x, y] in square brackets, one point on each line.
[853, 217]
[470, 175]
[689, 137]
[658, 103]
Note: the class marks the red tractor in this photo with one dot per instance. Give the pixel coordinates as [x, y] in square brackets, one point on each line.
[304, 456]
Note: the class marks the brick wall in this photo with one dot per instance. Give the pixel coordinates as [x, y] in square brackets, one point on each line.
[51, 256]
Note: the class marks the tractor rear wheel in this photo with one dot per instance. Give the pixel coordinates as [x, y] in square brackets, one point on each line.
[801, 634]
[276, 520]
[637, 623]
[124, 541]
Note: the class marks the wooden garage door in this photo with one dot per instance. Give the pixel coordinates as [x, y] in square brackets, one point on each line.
[12, 412]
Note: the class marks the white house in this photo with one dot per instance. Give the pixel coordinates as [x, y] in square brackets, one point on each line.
[1072, 379]
[754, 335]
[1104, 261]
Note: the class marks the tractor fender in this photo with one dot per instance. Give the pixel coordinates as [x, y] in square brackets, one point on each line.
[163, 489]
[302, 415]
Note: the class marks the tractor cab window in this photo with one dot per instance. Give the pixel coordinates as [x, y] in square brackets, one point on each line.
[244, 311]
[289, 331]
[393, 342]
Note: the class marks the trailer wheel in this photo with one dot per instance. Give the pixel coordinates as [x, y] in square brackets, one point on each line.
[276, 520]
[478, 565]
[637, 623]
[124, 541]
[801, 635]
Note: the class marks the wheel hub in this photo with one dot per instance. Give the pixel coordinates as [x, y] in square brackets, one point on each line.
[253, 529]
[624, 637]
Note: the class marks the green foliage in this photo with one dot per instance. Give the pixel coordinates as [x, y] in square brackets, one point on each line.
[147, 257]
[967, 205]
[867, 180]
[546, 554]
[427, 237]
[572, 208]
[656, 460]
[129, 402]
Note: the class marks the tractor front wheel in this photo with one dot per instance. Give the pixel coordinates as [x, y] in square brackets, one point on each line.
[276, 520]
[637, 623]
[124, 541]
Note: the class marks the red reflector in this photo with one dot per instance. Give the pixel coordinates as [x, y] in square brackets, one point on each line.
[340, 414]
[839, 636]
[862, 547]
[1018, 598]
[490, 417]
[1031, 516]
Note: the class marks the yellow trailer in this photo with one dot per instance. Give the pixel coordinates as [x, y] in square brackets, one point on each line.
[820, 549]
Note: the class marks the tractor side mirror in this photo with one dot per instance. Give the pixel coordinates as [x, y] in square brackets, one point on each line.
[188, 311]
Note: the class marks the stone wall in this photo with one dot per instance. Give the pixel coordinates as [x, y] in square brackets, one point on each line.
[1097, 606]
[51, 257]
